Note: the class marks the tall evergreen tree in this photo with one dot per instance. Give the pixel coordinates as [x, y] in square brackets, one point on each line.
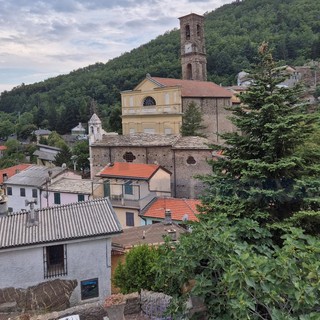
[192, 121]
[261, 175]
[63, 157]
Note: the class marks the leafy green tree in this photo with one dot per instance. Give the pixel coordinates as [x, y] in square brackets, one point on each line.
[6, 129]
[241, 280]
[63, 157]
[192, 121]
[55, 140]
[138, 270]
[81, 151]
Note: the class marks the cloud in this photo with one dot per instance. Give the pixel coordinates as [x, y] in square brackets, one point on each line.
[58, 36]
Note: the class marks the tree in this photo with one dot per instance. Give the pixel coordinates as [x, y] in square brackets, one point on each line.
[261, 174]
[191, 121]
[138, 270]
[55, 140]
[254, 253]
[63, 157]
[81, 151]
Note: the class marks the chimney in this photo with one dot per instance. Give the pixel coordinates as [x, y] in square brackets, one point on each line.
[167, 218]
[4, 176]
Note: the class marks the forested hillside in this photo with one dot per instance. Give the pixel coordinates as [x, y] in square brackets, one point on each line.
[233, 32]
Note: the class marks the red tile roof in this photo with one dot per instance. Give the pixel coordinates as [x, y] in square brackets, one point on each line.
[3, 148]
[11, 171]
[179, 208]
[193, 88]
[130, 170]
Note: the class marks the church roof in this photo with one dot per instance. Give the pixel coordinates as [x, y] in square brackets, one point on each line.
[154, 140]
[194, 88]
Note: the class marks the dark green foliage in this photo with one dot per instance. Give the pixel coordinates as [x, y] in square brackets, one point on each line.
[63, 157]
[81, 151]
[138, 270]
[261, 174]
[232, 34]
[191, 121]
[249, 254]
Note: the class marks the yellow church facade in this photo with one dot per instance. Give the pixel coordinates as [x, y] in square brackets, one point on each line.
[152, 108]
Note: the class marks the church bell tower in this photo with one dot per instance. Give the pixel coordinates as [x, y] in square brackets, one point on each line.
[193, 52]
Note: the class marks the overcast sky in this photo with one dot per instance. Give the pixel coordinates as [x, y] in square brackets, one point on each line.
[42, 39]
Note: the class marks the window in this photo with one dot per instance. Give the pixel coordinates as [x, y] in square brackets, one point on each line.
[129, 157]
[80, 197]
[191, 160]
[187, 32]
[34, 193]
[89, 289]
[129, 219]
[198, 31]
[57, 198]
[149, 130]
[55, 261]
[22, 192]
[9, 191]
[149, 101]
[128, 188]
[10, 210]
[167, 131]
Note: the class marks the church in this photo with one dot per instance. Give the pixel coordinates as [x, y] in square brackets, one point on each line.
[152, 116]
[156, 105]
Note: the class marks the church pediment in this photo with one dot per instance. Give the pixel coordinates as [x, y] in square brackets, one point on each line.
[147, 85]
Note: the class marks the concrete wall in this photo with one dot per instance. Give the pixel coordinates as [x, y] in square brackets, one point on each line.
[86, 260]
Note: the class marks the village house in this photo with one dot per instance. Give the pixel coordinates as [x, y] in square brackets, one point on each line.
[130, 187]
[46, 155]
[68, 242]
[32, 184]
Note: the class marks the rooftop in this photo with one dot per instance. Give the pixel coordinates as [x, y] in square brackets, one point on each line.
[11, 171]
[148, 234]
[181, 209]
[130, 170]
[194, 88]
[80, 186]
[34, 176]
[79, 220]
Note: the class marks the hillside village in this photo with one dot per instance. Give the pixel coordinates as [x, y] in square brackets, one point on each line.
[56, 224]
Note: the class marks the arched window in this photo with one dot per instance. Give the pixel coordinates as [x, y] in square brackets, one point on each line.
[149, 101]
[187, 32]
[189, 71]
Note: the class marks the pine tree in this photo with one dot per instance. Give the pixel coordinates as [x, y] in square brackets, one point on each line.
[63, 157]
[261, 175]
[191, 121]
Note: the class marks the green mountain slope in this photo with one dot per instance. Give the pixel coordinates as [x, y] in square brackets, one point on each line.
[233, 32]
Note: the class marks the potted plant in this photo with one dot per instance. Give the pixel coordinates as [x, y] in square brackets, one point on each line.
[114, 305]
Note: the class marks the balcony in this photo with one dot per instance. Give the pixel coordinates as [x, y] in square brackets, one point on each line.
[125, 201]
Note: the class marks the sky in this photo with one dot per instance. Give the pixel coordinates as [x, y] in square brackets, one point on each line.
[43, 39]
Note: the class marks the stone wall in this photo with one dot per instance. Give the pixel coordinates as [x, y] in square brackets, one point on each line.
[50, 295]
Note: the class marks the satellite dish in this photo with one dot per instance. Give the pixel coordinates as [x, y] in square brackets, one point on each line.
[64, 166]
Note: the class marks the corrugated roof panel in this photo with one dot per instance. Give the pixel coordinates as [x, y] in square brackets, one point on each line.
[77, 220]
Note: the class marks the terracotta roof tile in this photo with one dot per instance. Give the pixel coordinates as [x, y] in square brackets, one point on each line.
[11, 171]
[179, 208]
[193, 88]
[130, 170]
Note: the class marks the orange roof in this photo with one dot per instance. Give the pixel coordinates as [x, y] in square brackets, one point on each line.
[193, 88]
[3, 148]
[179, 208]
[11, 171]
[130, 170]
